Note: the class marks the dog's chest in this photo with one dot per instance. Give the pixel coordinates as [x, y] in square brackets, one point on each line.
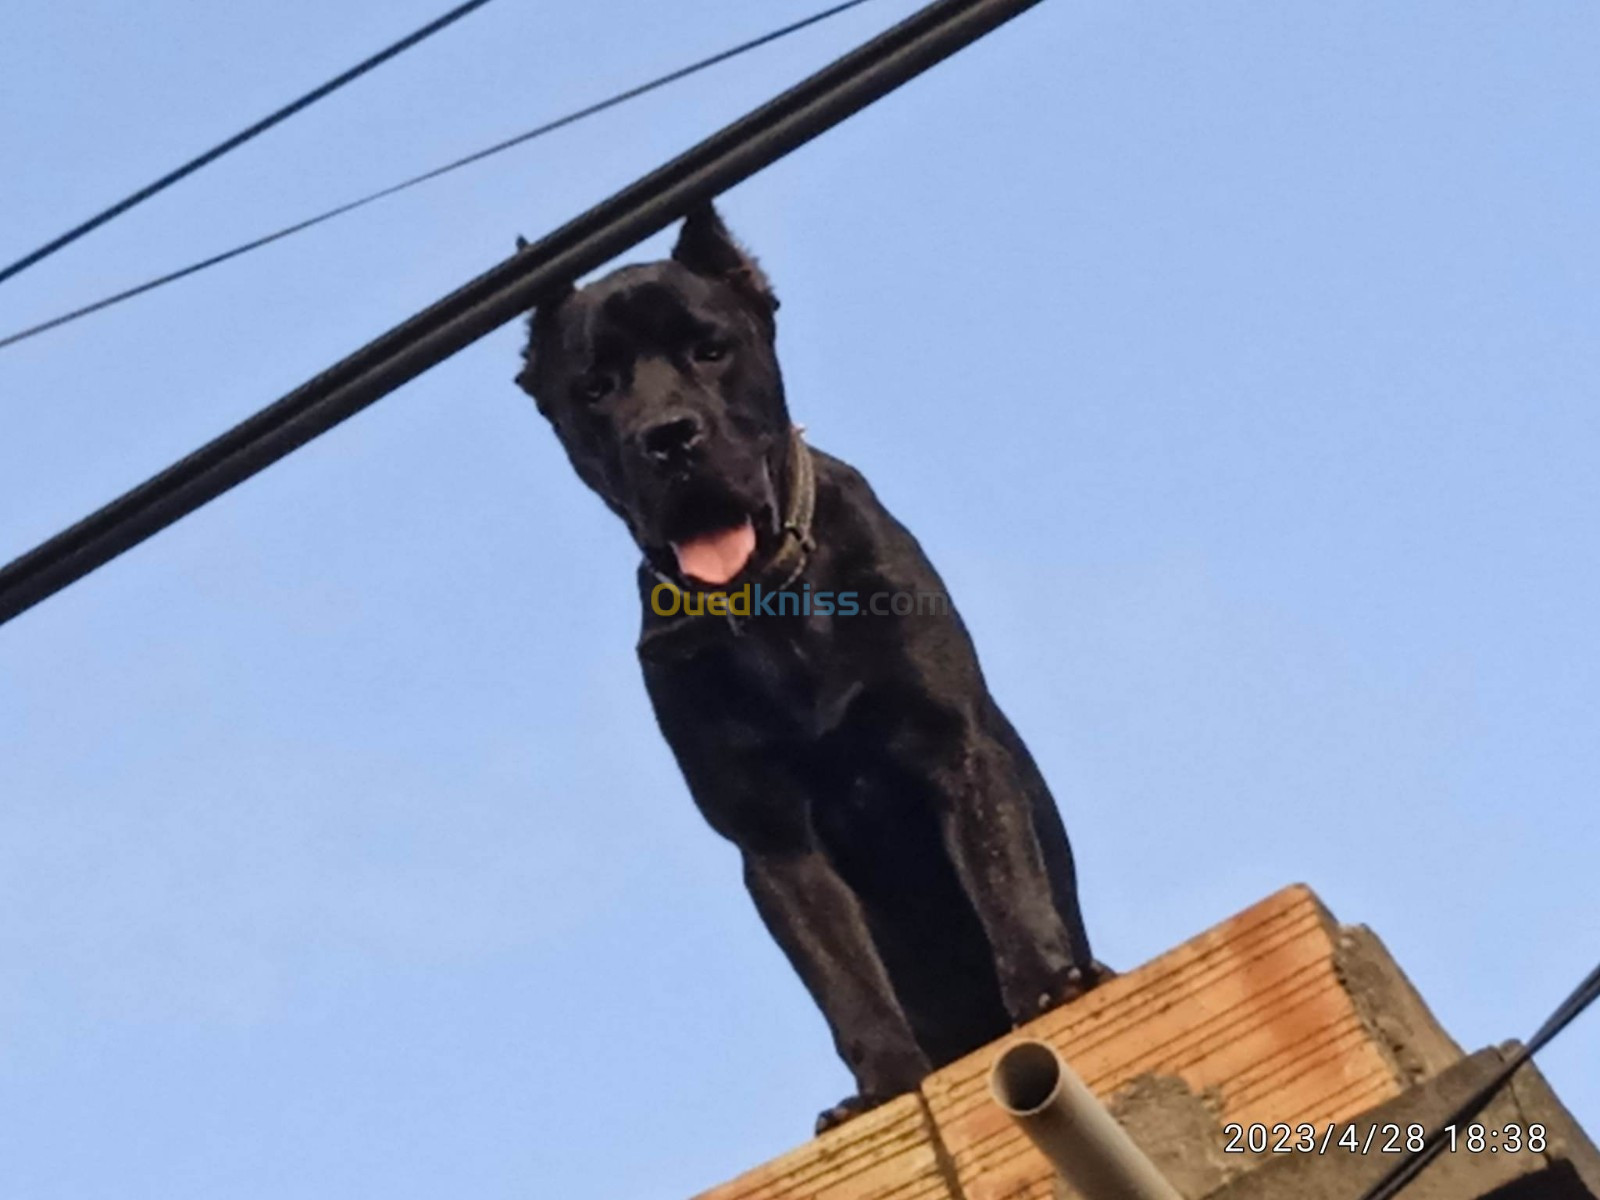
[770, 680]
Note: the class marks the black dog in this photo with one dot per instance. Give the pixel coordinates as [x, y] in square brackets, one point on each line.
[898, 840]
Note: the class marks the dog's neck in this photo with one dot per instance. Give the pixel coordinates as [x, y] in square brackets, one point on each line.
[795, 542]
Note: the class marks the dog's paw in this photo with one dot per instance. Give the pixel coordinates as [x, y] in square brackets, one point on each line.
[1079, 982]
[1090, 977]
[850, 1106]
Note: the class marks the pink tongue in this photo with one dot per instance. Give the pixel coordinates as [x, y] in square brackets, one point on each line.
[715, 558]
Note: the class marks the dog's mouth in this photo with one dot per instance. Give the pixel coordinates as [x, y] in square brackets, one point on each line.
[713, 536]
[718, 557]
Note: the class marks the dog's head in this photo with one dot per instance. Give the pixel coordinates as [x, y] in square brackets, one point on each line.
[662, 382]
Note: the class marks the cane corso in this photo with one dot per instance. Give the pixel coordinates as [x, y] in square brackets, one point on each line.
[822, 697]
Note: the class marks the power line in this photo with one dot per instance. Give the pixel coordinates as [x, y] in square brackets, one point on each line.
[455, 165]
[1411, 1166]
[504, 292]
[240, 138]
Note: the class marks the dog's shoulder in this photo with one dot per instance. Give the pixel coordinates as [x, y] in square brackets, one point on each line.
[847, 507]
[854, 520]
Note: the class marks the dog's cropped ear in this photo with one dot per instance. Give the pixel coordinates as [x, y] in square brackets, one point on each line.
[541, 323]
[707, 248]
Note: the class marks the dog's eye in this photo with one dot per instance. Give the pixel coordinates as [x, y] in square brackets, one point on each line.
[594, 388]
[710, 352]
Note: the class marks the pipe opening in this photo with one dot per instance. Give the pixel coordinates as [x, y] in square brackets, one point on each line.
[1025, 1078]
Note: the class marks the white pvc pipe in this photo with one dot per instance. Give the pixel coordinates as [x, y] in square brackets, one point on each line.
[1081, 1139]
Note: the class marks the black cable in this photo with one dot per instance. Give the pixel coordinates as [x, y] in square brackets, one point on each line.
[466, 160]
[504, 292]
[1408, 1168]
[240, 138]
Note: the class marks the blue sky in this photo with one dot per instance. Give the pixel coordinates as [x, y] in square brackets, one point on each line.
[1234, 362]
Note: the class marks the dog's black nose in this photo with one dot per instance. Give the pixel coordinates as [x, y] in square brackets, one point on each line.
[669, 440]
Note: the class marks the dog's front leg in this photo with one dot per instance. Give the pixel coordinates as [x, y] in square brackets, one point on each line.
[817, 920]
[988, 832]
[743, 791]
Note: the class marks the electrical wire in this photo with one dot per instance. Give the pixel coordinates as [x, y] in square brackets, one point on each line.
[1408, 1168]
[537, 131]
[240, 138]
[504, 292]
